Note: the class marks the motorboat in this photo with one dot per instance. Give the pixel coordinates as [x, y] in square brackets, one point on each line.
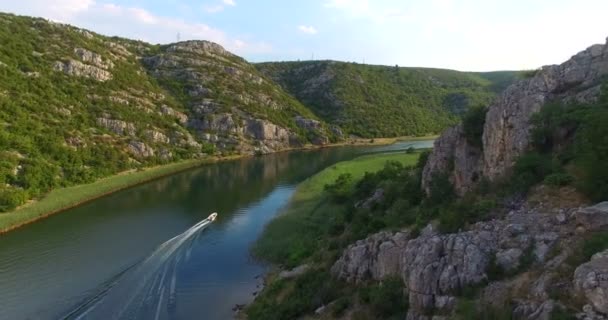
[212, 217]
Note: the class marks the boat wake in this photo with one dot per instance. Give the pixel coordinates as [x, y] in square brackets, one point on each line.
[146, 290]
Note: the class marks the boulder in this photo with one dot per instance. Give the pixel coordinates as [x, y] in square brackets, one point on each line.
[594, 217]
[591, 282]
[140, 150]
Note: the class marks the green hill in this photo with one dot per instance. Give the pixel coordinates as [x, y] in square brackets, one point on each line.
[76, 106]
[382, 101]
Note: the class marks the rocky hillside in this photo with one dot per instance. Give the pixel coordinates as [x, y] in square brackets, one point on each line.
[381, 101]
[507, 129]
[77, 106]
[506, 218]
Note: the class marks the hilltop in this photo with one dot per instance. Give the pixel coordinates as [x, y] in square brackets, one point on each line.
[384, 101]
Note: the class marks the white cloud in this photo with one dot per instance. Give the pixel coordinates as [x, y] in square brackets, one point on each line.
[131, 22]
[307, 29]
[214, 9]
[219, 7]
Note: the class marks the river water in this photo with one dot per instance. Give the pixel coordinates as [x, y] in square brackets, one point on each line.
[50, 268]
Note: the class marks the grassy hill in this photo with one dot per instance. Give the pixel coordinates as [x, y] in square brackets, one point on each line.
[382, 101]
[76, 106]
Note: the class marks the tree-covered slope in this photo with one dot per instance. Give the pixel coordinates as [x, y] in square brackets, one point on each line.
[374, 101]
[76, 106]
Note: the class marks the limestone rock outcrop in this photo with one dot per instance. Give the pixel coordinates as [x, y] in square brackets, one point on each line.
[436, 267]
[79, 69]
[117, 126]
[507, 128]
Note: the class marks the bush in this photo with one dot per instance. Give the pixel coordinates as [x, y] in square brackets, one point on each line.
[441, 190]
[385, 299]
[422, 160]
[472, 125]
[341, 190]
[593, 148]
[339, 306]
[310, 291]
[558, 179]
[11, 198]
[530, 169]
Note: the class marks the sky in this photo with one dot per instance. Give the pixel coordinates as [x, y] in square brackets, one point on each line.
[467, 35]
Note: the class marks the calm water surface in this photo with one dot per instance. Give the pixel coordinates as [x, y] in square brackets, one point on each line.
[48, 268]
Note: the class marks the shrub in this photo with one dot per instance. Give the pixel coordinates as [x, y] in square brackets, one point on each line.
[385, 299]
[530, 169]
[339, 306]
[10, 198]
[472, 125]
[593, 148]
[441, 189]
[341, 190]
[558, 179]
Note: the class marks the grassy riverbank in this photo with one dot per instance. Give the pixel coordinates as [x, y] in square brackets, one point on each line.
[290, 238]
[61, 199]
[65, 198]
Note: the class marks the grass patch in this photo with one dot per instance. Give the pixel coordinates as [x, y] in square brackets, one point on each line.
[64, 198]
[300, 231]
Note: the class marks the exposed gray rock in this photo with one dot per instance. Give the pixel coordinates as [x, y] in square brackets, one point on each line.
[308, 124]
[375, 198]
[140, 150]
[156, 136]
[117, 126]
[297, 271]
[375, 257]
[435, 267]
[93, 58]
[591, 281]
[507, 128]
[453, 155]
[509, 259]
[181, 117]
[530, 310]
[594, 217]
[79, 69]
[590, 314]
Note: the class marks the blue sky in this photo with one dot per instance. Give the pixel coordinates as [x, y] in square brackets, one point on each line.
[476, 35]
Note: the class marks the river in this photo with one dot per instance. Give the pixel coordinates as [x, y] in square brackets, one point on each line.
[50, 267]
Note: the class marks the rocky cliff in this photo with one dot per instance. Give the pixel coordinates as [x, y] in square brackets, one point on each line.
[529, 247]
[507, 128]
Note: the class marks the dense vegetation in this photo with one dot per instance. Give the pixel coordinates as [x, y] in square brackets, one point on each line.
[42, 110]
[570, 147]
[334, 209]
[319, 223]
[382, 101]
[59, 130]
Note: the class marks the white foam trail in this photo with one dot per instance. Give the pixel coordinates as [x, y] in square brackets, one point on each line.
[140, 292]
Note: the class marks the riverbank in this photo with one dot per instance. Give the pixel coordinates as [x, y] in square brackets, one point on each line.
[308, 210]
[309, 234]
[59, 200]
